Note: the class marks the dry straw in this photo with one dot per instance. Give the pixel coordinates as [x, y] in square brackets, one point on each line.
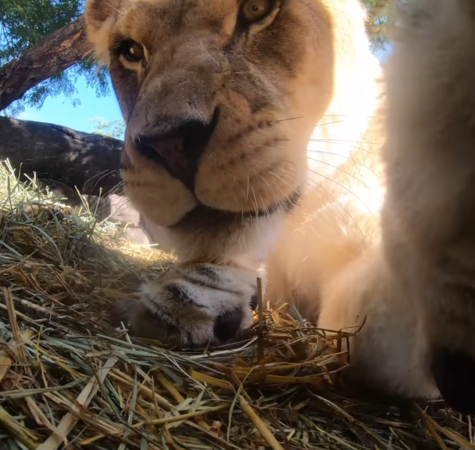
[68, 380]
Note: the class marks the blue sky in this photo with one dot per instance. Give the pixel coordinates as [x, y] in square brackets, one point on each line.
[59, 110]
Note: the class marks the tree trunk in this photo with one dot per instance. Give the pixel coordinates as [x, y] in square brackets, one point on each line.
[59, 51]
[89, 162]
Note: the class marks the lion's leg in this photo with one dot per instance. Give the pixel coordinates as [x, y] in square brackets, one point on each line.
[430, 211]
[207, 295]
[418, 291]
[191, 304]
[334, 274]
[415, 291]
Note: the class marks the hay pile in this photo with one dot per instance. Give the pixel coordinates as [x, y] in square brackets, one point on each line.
[67, 380]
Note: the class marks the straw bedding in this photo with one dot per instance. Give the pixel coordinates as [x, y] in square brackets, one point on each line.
[68, 380]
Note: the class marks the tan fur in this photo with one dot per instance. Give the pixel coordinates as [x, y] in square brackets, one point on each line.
[303, 109]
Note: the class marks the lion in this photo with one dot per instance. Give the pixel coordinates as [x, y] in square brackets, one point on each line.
[264, 140]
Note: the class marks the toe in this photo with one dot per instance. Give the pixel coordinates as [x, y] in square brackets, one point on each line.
[143, 323]
[228, 325]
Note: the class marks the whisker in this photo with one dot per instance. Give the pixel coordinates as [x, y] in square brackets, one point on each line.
[342, 171]
[101, 176]
[339, 141]
[331, 196]
[265, 209]
[288, 119]
[335, 122]
[346, 115]
[343, 187]
[275, 198]
[348, 161]
[255, 204]
[117, 188]
[356, 146]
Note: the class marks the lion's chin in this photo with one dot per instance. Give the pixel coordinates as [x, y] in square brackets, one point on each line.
[205, 216]
[172, 205]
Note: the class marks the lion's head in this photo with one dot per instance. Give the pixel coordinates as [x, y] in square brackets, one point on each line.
[220, 98]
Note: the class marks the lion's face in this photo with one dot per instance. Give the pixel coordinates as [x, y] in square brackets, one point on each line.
[220, 98]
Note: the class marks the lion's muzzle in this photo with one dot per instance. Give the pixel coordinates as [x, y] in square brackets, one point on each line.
[176, 144]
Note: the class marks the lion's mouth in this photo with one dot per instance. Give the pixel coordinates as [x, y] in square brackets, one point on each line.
[205, 216]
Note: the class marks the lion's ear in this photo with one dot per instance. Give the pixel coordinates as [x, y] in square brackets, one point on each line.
[100, 16]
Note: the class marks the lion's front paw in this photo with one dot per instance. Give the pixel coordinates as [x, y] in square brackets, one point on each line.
[192, 305]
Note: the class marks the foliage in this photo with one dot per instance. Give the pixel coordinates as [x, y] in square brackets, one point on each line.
[114, 129]
[379, 17]
[23, 24]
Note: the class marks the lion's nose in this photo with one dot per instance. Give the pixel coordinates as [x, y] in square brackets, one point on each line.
[178, 148]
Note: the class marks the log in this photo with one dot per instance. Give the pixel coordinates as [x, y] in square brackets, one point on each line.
[87, 161]
[64, 159]
[56, 53]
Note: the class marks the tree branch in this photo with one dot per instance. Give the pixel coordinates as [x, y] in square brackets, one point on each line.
[89, 162]
[59, 51]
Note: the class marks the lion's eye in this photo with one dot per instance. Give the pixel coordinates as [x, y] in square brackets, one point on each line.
[256, 10]
[132, 51]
